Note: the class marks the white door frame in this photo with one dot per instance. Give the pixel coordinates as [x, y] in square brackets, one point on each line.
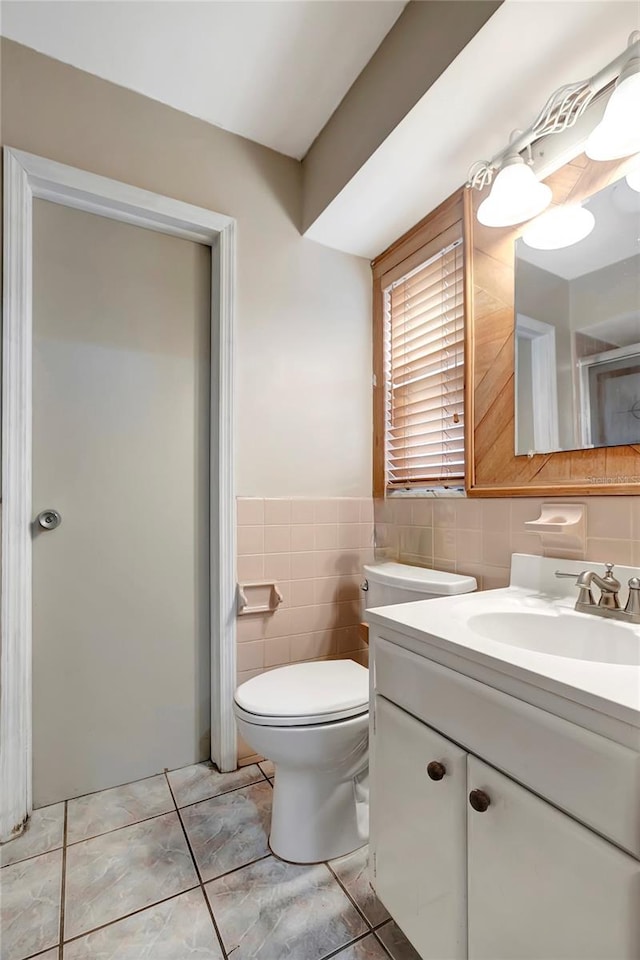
[584, 366]
[544, 383]
[27, 177]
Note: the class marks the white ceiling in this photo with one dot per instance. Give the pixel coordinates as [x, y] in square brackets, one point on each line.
[270, 71]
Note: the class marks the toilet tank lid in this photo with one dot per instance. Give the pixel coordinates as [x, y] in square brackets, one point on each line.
[419, 579]
[318, 688]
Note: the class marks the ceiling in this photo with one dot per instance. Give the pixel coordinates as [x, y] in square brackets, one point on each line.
[258, 69]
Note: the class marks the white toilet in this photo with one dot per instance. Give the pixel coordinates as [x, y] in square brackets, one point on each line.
[312, 721]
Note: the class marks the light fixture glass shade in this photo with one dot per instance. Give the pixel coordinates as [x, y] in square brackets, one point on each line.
[516, 195]
[618, 133]
[560, 227]
[633, 179]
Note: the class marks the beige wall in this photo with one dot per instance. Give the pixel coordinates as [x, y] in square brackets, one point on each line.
[610, 293]
[303, 360]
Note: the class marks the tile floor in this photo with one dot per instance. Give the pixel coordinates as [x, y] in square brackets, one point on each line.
[177, 867]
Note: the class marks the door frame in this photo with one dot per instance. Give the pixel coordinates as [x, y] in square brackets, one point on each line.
[585, 364]
[544, 400]
[28, 177]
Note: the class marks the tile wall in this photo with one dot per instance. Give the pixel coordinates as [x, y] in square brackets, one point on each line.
[314, 550]
[478, 536]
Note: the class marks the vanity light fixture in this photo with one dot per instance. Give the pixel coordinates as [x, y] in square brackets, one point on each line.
[618, 133]
[633, 179]
[560, 227]
[514, 197]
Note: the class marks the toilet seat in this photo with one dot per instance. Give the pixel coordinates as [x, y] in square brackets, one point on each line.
[303, 694]
[300, 720]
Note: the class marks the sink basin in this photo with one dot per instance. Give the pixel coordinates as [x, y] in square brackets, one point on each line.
[531, 642]
[561, 634]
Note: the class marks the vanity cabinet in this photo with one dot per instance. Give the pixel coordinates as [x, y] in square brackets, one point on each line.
[419, 827]
[542, 886]
[517, 879]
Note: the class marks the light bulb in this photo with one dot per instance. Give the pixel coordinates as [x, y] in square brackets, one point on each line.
[516, 195]
[618, 133]
[633, 179]
[560, 227]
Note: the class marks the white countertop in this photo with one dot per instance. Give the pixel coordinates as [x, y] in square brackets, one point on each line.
[609, 688]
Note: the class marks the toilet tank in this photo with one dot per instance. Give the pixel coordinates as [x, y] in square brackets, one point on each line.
[388, 583]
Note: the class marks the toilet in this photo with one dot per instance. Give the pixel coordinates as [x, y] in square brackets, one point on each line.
[312, 721]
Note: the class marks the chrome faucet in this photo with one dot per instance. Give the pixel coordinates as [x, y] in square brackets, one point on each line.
[609, 603]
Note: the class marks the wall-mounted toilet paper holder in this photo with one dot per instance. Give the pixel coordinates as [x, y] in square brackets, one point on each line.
[259, 596]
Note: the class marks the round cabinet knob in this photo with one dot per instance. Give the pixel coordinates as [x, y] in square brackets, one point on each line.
[479, 800]
[436, 770]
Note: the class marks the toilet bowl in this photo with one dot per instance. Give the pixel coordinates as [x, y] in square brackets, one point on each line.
[312, 721]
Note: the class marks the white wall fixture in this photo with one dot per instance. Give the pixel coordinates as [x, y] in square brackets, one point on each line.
[27, 177]
[259, 596]
[617, 135]
[561, 527]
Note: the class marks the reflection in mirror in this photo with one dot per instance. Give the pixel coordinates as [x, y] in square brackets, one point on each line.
[577, 337]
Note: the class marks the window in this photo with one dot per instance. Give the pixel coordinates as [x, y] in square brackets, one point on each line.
[419, 356]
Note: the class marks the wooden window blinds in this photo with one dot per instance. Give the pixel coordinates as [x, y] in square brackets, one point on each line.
[423, 368]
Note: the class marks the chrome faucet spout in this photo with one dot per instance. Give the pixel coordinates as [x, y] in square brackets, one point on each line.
[609, 603]
[607, 584]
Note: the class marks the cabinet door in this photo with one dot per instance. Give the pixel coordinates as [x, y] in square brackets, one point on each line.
[418, 832]
[542, 886]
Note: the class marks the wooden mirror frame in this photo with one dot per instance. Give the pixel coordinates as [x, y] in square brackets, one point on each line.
[493, 469]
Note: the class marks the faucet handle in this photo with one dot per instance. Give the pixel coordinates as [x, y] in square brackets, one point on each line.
[633, 603]
[585, 596]
[610, 588]
[612, 581]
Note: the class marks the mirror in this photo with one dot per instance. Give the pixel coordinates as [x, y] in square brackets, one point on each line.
[577, 331]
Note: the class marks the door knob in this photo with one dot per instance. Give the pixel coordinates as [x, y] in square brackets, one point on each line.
[49, 519]
[436, 770]
[479, 800]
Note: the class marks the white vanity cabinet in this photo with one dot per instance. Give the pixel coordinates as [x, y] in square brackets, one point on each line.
[519, 880]
[418, 828]
[526, 845]
[542, 886]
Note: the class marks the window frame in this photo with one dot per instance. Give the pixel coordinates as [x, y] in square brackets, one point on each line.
[414, 247]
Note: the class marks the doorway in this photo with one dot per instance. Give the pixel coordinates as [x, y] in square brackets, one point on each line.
[28, 179]
[121, 685]
[536, 412]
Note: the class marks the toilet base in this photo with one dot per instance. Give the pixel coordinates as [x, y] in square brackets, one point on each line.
[320, 804]
[335, 818]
